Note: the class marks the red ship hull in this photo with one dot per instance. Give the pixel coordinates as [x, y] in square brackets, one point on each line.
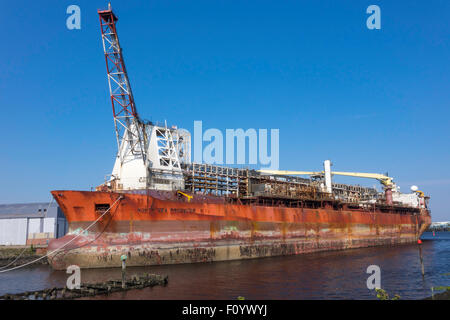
[155, 229]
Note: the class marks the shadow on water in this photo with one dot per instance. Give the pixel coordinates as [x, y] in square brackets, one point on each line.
[325, 275]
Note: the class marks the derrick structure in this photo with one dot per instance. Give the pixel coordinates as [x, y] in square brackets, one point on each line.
[149, 155]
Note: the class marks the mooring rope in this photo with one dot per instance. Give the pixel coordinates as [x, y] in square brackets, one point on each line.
[26, 248]
[17, 258]
[79, 234]
[89, 242]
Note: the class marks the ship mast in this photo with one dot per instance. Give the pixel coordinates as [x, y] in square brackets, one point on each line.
[130, 132]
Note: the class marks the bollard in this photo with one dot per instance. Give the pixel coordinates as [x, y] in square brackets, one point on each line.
[124, 266]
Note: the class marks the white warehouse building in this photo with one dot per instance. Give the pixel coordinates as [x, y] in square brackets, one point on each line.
[31, 223]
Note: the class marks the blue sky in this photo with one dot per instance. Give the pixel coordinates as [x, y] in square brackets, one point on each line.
[369, 100]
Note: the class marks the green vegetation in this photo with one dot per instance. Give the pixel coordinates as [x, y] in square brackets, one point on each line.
[383, 295]
[10, 253]
[441, 288]
[444, 295]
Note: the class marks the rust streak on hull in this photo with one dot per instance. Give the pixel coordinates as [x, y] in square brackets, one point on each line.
[167, 231]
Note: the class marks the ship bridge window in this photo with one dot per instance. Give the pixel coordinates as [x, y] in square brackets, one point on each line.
[101, 208]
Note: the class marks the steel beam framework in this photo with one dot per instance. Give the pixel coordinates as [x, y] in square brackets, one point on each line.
[129, 129]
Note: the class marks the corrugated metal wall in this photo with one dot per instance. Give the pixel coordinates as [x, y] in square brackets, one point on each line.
[49, 225]
[13, 231]
[34, 225]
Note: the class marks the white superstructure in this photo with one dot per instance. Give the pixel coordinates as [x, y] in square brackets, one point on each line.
[165, 149]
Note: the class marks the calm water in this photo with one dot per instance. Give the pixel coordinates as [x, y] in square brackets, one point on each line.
[327, 275]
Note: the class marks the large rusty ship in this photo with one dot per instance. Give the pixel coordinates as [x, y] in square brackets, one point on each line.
[157, 207]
